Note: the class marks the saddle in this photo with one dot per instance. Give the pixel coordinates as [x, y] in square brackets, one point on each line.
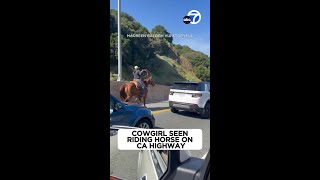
[137, 84]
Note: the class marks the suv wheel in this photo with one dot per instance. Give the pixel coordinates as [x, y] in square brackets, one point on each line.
[144, 123]
[174, 110]
[205, 114]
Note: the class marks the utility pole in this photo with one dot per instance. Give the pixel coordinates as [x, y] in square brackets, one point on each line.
[119, 43]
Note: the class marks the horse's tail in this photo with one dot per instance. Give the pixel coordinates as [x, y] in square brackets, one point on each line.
[123, 94]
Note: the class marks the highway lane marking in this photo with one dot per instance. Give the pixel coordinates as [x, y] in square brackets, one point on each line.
[160, 111]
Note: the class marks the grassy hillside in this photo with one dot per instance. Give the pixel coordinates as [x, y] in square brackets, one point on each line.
[167, 62]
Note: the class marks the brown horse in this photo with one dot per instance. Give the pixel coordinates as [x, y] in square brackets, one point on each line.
[129, 89]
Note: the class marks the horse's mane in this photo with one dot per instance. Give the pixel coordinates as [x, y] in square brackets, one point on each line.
[148, 73]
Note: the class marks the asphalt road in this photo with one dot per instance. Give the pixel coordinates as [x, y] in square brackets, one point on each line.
[124, 163]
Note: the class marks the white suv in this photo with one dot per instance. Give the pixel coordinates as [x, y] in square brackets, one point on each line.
[190, 96]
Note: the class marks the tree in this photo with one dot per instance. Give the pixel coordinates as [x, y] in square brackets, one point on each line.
[161, 30]
[160, 47]
[113, 48]
[142, 51]
[202, 73]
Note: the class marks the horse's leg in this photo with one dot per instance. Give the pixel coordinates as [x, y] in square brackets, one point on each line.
[128, 98]
[139, 97]
[144, 99]
[129, 95]
[136, 100]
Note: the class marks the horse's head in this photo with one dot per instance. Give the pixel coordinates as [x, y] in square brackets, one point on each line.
[148, 78]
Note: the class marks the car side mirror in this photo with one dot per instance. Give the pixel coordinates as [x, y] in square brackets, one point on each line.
[117, 106]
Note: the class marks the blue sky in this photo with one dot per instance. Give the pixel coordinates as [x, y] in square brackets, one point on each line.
[169, 13]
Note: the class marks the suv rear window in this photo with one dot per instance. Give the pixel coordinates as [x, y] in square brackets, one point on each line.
[187, 86]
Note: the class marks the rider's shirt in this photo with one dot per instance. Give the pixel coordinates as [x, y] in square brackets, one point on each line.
[136, 74]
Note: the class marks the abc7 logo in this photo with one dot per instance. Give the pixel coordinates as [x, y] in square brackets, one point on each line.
[193, 17]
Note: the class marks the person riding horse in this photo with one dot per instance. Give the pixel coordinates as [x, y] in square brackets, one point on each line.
[129, 89]
[137, 77]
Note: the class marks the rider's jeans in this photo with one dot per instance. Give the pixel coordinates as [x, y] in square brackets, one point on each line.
[141, 85]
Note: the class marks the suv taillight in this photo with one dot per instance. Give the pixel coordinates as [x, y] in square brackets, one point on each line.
[196, 95]
[171, 93]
